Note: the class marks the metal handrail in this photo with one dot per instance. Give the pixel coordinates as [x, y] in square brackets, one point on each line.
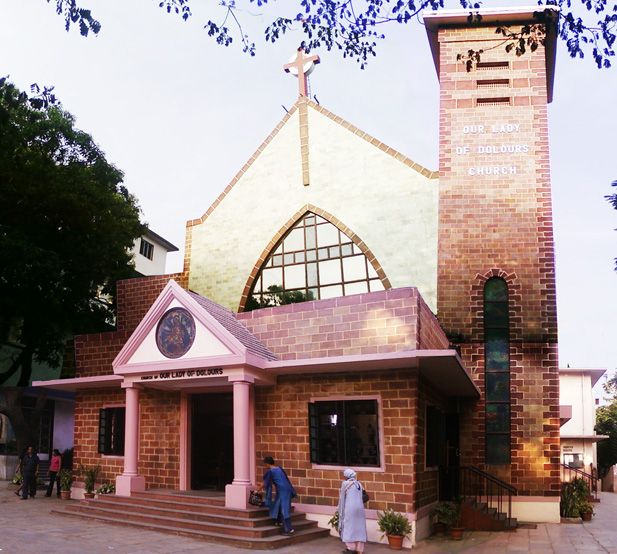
[591, 480]
[484, 487]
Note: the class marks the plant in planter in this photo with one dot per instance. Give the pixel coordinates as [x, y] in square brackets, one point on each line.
[334, 521]
[106, 488]
[456, 529]
[586, 510]
[66, 480]
[395, 526]
[444, 515]
[90, 475]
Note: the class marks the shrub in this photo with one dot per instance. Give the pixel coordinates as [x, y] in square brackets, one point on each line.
[393, 523]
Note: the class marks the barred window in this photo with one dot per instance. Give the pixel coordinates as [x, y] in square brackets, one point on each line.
[344, 432]
[146, 249]
[111, 431]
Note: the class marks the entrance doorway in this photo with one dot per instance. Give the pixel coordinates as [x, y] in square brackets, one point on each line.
[212, 454]
[449, 474]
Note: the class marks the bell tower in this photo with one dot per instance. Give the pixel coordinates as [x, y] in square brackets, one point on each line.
[496, 271]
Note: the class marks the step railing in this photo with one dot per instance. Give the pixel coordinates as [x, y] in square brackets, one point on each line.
[568, 473]
[483, 487]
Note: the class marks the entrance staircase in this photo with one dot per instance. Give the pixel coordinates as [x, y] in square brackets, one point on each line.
[199, 517]
[486, 501]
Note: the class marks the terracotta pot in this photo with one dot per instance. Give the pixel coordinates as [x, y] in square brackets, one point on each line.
[586, 516]
[65, 495]
[395, 541]
[456, 533]
[89, 495]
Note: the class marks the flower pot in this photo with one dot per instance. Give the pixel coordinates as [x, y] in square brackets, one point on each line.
[456, 533]
[89, 495]
[586, 516]
[395, 541]
[65, 495]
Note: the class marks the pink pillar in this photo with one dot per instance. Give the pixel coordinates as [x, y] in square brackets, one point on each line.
[236, 494]
[130, 481]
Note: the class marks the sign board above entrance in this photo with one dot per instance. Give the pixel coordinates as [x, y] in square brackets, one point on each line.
[184, 374]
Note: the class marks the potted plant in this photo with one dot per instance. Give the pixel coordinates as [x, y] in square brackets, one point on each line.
[585, 509]
[456, 529]
[395, 526]
[334, 521]
[90, 475]
[106, 488]
[444, 515]
[66, 480]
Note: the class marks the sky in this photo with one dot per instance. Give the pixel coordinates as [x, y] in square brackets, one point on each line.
[180, 115]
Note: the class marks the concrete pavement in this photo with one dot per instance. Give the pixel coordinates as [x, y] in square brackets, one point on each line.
[28, 527]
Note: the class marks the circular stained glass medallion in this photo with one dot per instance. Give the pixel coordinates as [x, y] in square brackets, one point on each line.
[175, 333]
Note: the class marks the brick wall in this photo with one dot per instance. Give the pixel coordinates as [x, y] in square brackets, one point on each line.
[500, 224]
[94, 353]
[282, 432]
[378, 322]
[159, 435]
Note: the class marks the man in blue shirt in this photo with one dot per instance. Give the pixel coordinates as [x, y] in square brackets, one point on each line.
[30, 470]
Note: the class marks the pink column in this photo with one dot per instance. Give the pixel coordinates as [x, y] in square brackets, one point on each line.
[236, 494]
[130, 481]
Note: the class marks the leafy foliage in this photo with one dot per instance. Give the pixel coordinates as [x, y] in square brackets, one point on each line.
[276, 296]
[90, 475]
[355, 27]
[393, 523]
[446, 512]
[606, 424]
[574, 498]
[66, 479]
[66, 227]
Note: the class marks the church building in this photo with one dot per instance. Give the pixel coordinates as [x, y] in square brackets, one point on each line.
[343, 306]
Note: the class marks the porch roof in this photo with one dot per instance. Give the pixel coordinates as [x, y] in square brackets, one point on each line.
[443, 369]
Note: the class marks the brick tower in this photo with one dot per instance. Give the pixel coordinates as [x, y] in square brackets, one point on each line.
[496, 271]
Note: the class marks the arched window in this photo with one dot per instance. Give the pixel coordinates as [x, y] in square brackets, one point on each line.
[497, 371]
[314, 260]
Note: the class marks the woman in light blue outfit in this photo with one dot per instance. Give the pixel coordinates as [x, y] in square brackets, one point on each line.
[352, 520]
[280, 508]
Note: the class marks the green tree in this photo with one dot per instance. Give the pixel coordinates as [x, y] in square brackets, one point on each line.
[66, 228]
[355, 27]
[606, 424]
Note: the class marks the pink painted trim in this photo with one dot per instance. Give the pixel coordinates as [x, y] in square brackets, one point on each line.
[78, 383]
[232, 360]
[185, 472]
[389, 360]
[171, 292]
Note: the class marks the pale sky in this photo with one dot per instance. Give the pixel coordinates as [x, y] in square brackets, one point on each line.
[180, 116]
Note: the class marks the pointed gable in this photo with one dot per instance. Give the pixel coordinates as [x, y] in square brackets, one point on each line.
[315, 158]
[216, 337]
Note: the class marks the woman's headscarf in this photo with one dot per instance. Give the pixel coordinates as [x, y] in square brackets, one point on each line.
[349, 473]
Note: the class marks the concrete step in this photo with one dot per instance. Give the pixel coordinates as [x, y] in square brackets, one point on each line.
[263, 543]
[223, 525]
[183, 511]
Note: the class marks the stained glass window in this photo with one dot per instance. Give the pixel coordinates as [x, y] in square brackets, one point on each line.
[497, 371]
[314, 260]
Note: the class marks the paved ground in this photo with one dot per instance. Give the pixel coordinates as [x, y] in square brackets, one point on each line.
[28, 527]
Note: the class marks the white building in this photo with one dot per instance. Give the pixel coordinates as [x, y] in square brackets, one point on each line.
[578, 417]
[150, 253]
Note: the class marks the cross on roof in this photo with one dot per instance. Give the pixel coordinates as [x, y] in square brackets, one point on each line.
[301, 66]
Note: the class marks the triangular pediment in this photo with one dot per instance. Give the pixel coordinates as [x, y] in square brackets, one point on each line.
[178, 332]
